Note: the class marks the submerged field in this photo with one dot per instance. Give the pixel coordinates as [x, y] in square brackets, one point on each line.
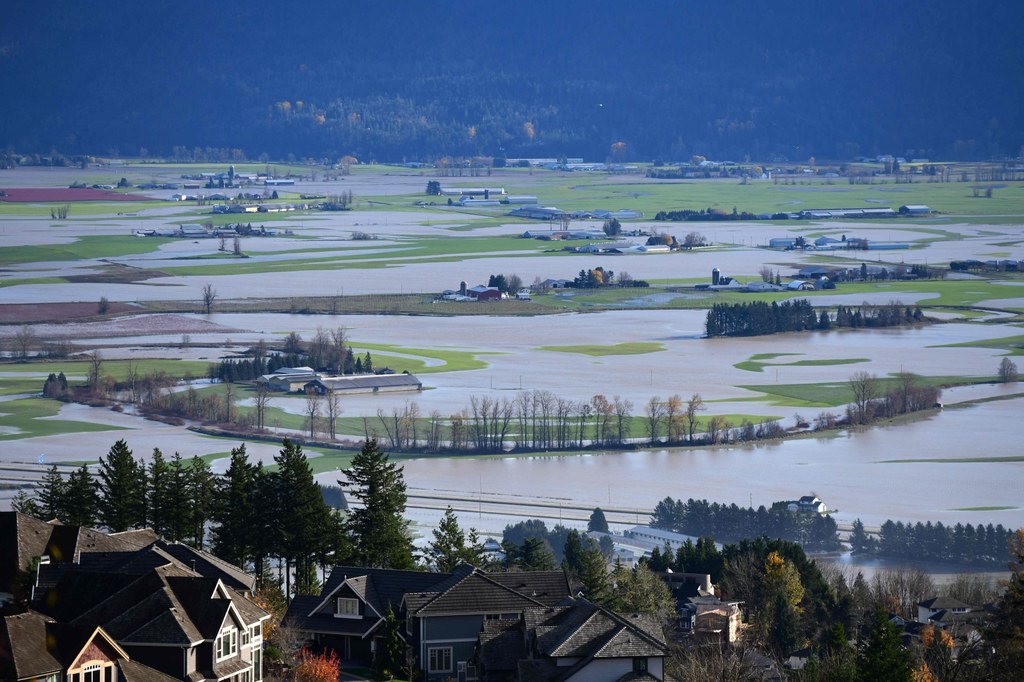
[634, 344]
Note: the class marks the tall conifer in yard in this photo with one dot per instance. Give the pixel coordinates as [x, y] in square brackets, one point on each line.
[123, 498]
[378, 527]
[299, 514]
[200, 494]
[234, 510]
[81, 501]
[159, 493]
[52, 495]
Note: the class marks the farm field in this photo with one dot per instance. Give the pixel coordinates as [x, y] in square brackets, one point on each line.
[959, 464]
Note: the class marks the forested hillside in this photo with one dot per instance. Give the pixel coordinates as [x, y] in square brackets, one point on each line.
[391, 81]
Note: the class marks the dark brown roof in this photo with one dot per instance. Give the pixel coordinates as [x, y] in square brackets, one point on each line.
[133, 671]
[210, 566]
[23, 651]
[28, 536]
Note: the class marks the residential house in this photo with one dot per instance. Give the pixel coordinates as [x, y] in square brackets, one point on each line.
[443, 613]
[34, 648]
[578, 642]
[938, 608]
[702, 614]
[53, 543]
[809, 504]
[170, 618]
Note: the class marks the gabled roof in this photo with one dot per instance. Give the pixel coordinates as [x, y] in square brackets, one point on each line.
[23, 650]
[939, 603]
[32, 537]
[585, 632]
[33, 645]
[383, 586]
[167, 605]
[210, 566]
[479, 592]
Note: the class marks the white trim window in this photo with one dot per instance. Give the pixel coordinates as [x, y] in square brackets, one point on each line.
[439, 659]
[92, 673]
[346, 607]
[226, 644]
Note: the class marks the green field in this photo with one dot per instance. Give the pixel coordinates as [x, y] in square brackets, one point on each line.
[33, 417]
[756, 362]
[597, 350]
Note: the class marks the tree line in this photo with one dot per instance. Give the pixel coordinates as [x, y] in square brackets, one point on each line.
[730, 522]
[756, 318]
[959, 543]
[981, 545]
[253, 516]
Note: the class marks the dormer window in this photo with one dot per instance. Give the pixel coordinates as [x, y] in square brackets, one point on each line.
[227, 643]
[347, 608]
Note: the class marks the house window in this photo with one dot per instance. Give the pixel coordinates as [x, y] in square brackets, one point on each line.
[257, 664]
[91, 673]
[439, 659]
[640, 664]
[55, 677]
[347, 608]
[227, 644]
[256, 631]
[245, 636]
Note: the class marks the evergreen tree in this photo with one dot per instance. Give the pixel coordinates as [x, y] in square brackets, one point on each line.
[52, 495]
[24, 504]
[378, 529]
[450, 548]
[234, 510]
[784, 631]
[572, 554]
[389, 661]
[160, 493]
[598, 523]
[882, 657]
[535, 555]
[643, 591]
[123, 500]
[300, 514]
[178, 506]
[593, 574]
[200, 493]
[1005, 632]
[81, 500]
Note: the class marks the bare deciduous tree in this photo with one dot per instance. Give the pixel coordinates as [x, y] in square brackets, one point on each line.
[25, 341]
[864, 388]
[313, 400]
[655, 413]
[95, 371]
[209, 298]
[332, 403]
[693, 406]
[261, 401]
[1008, 371]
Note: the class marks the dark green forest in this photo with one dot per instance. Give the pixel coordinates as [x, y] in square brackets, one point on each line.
[394, 81]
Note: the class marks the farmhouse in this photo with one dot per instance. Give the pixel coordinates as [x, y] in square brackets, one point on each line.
[809, 504]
